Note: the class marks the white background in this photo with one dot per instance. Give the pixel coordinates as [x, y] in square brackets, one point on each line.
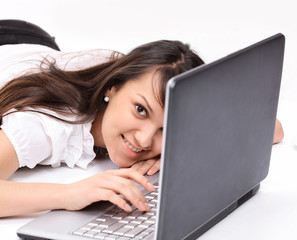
[214, 28]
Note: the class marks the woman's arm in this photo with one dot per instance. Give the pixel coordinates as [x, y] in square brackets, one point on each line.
[15, 198]
[20, 198]
[7, 168]
[278, 132]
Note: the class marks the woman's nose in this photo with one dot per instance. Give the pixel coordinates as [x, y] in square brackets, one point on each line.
[145, 137]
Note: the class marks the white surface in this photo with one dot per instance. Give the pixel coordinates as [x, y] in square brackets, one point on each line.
[270, 214]
[214, 28]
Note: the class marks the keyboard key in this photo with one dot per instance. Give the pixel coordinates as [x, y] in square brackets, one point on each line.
[87, 226]
[137, 221]
[108, 222]
[113, 211]
[131, 225]
[151, 220]
[111, 237]
[125, 220]
[102, 218]
[98, 229]
[93, 223]
[119, 215]
[113, 227]
[145, 224]
[123, 238]
[144, 216]
[90, 233]
[134, 214]
[151, 213]
[148, 197]
[133, 232]
[80, 231]
[101, 236]
[152, 205]
[121, 231]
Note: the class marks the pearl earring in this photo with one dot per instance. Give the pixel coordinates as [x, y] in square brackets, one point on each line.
[106, 99]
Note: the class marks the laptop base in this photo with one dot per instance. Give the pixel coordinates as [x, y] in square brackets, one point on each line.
[26, 237]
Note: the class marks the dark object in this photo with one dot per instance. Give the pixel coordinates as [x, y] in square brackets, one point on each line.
[17, 31]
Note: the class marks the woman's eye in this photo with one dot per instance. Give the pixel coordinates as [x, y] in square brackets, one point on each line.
[141, 110]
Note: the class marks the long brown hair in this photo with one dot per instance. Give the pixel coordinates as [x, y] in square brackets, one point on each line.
[82, 92]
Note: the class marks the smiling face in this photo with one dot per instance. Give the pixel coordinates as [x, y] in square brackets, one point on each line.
[131, 126]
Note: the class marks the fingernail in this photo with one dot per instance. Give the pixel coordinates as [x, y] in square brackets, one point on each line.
[142, 206]
[150, 186]
[147, 207]
[127, 207]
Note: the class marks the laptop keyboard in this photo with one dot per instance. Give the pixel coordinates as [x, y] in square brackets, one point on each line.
[121, 225]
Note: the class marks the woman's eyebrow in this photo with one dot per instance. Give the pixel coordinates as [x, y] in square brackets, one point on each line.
[148, 105]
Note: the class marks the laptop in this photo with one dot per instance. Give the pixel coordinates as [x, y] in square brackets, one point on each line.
[218, 134]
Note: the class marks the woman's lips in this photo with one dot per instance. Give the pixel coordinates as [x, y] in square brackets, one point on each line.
[134, 149]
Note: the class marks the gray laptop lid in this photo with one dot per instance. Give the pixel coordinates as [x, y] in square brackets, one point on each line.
[218, 137]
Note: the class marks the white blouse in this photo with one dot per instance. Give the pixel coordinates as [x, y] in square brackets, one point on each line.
[38, 138]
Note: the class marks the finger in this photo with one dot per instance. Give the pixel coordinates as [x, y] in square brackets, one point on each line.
[155, 168]
[135, 176]
[146, 166]
[137, 165]
[108, 195]
[126, 188]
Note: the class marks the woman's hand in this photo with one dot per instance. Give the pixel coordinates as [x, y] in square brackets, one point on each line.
[106, 186]
[149, 167]
[278, 132]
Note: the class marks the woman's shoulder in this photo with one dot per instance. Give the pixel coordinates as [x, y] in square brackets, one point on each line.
[30, 116]
[31, 123]
[39, 138]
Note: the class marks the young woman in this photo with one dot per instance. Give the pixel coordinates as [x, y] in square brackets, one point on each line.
[55, 107]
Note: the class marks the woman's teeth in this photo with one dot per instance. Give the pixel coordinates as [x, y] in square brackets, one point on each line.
[131, 147]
